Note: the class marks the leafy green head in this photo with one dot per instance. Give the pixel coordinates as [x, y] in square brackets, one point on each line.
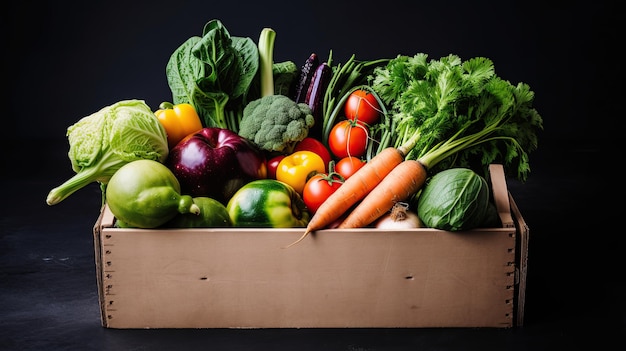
[106, 140]
[454, 199]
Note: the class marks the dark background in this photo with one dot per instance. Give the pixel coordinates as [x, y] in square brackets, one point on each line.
[65, 60]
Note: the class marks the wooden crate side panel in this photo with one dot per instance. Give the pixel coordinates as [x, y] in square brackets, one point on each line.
[523, 237]
[101, 223]
[352, 278]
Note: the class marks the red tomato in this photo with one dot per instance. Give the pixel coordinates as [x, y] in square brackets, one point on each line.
[318, 188]
[272, 165]
[363, 106]
[315, 146]
[347, 166]
[348, 138]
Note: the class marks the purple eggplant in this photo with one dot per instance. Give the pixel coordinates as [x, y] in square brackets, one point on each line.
[306, 75]
[315, 97]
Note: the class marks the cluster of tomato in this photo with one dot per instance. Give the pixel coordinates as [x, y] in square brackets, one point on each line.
[316, 170]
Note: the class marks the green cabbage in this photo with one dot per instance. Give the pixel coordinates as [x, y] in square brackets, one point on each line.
[454, 199]
[103, 142]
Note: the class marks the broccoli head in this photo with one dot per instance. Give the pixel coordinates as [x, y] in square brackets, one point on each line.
[276, 122]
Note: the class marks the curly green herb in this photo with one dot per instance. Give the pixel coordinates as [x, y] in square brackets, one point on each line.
[450, 112]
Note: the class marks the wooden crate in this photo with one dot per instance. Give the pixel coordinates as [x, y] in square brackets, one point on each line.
[349, 278]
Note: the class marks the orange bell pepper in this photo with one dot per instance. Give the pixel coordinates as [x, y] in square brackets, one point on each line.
[178, 120]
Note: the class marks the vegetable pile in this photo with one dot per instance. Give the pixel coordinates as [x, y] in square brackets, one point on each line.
[401, 142]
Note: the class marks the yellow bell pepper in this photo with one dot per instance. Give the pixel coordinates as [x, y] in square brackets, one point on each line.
[178, 120]
[296, 168]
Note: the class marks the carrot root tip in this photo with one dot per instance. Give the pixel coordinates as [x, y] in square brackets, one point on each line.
[297, 241]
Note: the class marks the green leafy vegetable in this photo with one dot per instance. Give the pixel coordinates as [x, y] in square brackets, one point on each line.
[454, 199]
[285, 77]
[454, 113]
[214, 73]
[103, 142]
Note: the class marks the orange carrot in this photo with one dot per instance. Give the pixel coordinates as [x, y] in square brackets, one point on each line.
[402, 182]
[354, 189]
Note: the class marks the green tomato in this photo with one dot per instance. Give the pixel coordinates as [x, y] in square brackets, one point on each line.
[146, 194]
[268, 203]
[213, 214]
